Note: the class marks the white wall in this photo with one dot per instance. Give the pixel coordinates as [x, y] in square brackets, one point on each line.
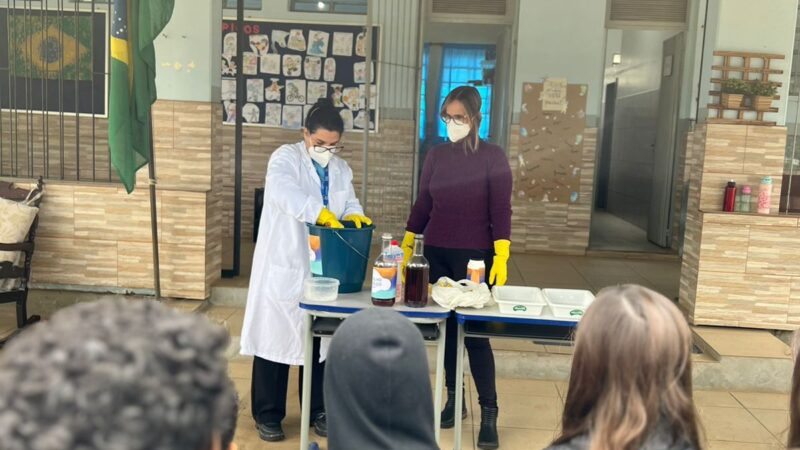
[766, 26]
[188, 52]
[562, 38]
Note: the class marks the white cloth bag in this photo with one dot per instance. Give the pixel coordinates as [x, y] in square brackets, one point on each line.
[461, 294]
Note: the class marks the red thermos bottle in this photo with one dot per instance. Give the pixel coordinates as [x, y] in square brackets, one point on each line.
[730, 197]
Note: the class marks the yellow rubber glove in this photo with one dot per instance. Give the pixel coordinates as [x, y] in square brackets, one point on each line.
[499, 273]
[358, 219]
[408, 248]
[328, 219]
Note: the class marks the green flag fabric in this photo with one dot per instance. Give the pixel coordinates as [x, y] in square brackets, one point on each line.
[135, 25]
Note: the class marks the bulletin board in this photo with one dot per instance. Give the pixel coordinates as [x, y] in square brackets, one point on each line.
[288, 66]
[552, 126]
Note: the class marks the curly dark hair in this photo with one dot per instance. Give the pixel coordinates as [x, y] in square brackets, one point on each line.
[114, 375]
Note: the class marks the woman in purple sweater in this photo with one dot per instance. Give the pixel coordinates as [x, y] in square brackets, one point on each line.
[464, 210]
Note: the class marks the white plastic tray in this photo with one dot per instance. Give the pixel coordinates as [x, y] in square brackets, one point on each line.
[519, 300]
[568, 302]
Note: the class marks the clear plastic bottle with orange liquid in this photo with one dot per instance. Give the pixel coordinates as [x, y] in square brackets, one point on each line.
[384, 275]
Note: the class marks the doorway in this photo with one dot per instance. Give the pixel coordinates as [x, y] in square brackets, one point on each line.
[633, 208]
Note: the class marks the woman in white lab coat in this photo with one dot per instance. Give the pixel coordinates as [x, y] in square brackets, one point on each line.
[305, 183]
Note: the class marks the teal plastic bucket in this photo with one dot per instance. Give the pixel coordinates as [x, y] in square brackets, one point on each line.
[340, 253]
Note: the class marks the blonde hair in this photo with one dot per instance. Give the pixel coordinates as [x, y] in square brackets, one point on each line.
[471, 99]
[631, 372]
[794, 399]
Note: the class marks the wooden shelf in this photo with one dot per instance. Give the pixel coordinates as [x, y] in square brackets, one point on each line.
[740, 122]
[748, 70]
[720, 80]
[741, 108]
[718, 93]
[749, 55]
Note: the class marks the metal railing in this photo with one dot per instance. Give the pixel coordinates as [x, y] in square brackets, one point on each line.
[54, 73]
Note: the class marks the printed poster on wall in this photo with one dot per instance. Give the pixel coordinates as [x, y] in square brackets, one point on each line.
[287, 67]
[551, 142]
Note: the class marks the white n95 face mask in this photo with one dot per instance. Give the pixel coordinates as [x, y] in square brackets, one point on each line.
[320, 155]
[457, 132]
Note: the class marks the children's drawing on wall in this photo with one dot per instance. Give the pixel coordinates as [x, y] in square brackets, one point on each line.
[249, 63]
[347, 118]
[373, 96]
[313, 67]
[228, 66]
[229, 44]
[318, 43]
[228, 89]
[297, 41]
[342, 44]
[259, 43]
[251, 113]
[255, 90]
[230, 111]
[316, 90]
[273, 92]
[361, 120]
[292, 65]
[330, 69]
[279, 38]
[271, 64]
[336, 96]
[272, 115]
[350, 98]
[361, 44]
[360, 72]
[292, 117]
[295, 92]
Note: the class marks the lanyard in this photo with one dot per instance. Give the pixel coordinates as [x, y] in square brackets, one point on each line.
[322, 172]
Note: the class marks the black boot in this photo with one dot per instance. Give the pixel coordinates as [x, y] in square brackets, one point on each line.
[448, 413]
[270, 432]
[487, 437]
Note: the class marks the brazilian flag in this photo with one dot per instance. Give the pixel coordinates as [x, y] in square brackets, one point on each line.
[136, 23]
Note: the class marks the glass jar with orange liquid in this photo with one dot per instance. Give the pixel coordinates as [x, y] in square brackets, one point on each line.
[384, 275]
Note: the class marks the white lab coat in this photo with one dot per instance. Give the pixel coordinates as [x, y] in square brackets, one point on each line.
[273, 321]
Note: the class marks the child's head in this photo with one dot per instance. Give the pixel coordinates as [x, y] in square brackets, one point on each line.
[227, 416]
[631, 371]
[794, 400]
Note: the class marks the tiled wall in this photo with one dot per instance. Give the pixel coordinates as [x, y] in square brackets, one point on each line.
[554, 227]
[739, 269]
[94, 234]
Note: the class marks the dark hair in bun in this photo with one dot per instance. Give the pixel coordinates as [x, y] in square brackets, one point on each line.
[324, 115]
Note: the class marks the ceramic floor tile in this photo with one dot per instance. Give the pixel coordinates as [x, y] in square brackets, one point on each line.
[743, 343]
[715, 398]
[525, 411]
[560, 349]
[527, 387]
[520, 438]
[468, 437]
[776, 422]
[562, 387]
[758, 400]
[733, 424]
[240, 369]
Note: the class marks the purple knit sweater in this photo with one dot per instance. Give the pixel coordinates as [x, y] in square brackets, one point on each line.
[464, 197]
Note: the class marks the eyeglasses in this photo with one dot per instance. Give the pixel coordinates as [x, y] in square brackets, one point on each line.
[322, 149]
[457, 119]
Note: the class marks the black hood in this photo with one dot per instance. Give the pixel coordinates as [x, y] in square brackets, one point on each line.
[377, 387]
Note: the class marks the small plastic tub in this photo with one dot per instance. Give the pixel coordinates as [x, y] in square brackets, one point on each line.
[321, 289]
[568, 303]
[519, 300]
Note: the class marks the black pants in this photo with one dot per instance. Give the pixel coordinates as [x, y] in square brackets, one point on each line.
[269, 384]
[452, 263]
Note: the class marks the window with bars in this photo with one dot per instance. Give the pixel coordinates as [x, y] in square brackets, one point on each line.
[330, 6]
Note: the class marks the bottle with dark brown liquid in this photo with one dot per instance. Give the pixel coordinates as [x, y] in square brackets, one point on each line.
[417, 276]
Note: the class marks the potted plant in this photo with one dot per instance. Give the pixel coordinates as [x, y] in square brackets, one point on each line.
[733, 92]
[763, 93]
